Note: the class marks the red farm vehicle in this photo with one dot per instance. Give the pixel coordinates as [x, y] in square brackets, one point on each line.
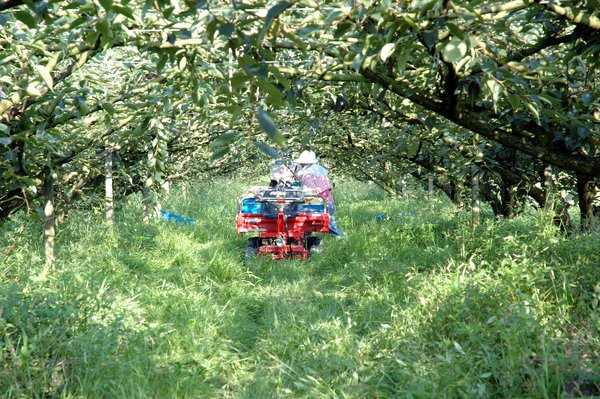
[285, 219]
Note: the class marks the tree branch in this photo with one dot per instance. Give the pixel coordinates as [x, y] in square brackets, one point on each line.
[5, 5]
[579, 17]
[10, 110]
[567, 161]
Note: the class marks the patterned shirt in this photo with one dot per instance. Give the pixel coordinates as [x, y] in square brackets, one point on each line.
[318, 182]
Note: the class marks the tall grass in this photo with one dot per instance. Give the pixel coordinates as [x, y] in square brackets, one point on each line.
[418, 305]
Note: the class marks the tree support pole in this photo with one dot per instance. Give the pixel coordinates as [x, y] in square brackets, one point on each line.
[430, 190]
[108, 180]
[475, 209]
[145, 203]
[49, 226]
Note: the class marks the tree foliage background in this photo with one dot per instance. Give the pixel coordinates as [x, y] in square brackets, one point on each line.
[496, 99]
[504, 90]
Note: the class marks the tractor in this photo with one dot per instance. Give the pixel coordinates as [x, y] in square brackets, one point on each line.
[285, 217]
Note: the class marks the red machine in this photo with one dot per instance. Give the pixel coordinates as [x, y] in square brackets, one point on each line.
[285, 218]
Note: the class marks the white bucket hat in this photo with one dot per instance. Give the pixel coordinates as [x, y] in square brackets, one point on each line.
[307, 157]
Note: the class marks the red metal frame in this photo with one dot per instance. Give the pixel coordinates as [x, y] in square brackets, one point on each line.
[284, 236]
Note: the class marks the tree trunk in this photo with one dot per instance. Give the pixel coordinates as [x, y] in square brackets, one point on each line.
[475, 209]
[586, 191]
[508, 201]
[562, 219]
[109, 197]
[455, 193]
[548, 185]
[403, 186]
[491, 197]
[49, 228]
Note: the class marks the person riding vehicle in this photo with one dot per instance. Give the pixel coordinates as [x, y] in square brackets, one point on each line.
[282, 172]
[314, 176]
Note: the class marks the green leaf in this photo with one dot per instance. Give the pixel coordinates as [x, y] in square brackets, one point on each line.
[246, 60]
[126, 11]
[275, 96]
[410, 21]
[551, 101]
[182, 63]
[534, 111]
[296, 40]
[92, 37]
[266, 149]
[259, 70]
[104, 27]
[108, 107]
[456, 31]
[26, 18]
[513, 100]
[386, 51]
[226, 30]
[495, 90]
[107, 4]
[168, 11]
[268, 126]
[33, 91]
[423, 3]
[82, 106]
[238, 81]
[430, 38]
[458, 348]
[195, 91]
[224, 139]
[273, 13]
[211, 27]
[79, 21]
[236, 113]
[45, 76]
[430, 122]
[162, 60]
[280, 77]
[220, 153]
[357, 62]
[106, 41]
[454, 50]
[402, 59]
[5, 141]
[342, 28]
[214, 71]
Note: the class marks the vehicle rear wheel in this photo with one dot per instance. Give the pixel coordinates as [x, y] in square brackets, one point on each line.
[252, 247]
[315, 245]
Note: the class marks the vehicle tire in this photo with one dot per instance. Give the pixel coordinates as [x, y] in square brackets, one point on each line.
[315, 245]
[252, 247]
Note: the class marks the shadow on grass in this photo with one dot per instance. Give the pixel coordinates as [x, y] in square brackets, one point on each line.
[476, 334]
[62, 344]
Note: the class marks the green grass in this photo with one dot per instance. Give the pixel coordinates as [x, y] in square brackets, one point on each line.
[415, 306]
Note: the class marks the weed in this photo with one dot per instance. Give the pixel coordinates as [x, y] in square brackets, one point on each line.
[415, 305]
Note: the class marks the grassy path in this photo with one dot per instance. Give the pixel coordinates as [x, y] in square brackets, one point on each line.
[415, 306]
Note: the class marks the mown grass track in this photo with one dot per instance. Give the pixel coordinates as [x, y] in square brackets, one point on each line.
[415, 306]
